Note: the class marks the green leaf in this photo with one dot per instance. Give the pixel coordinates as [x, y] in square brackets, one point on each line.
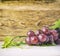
[10, 41]
[7, 40]
[56, 24]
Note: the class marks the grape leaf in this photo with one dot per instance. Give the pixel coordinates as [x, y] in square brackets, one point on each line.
[56, 24]
[7, 40]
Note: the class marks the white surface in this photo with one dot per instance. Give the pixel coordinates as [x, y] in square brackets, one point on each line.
[30, 51]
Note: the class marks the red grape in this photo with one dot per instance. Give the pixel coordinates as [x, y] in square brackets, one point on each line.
[28, 40]
[31, 33]
[55, 34]
[51, 38]
[38, 32]
[58, 42]
[32, 40]
[42, 37]
[45, 30]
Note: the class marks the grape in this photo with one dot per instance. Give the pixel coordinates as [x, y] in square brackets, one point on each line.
[34, 40]
[42, 37]
[51, 40]
[38, 32]
[58, 30]
[58, 42]
[55, 34]
[31, 33]
[28, 40]
[45, 30]
[47, 39]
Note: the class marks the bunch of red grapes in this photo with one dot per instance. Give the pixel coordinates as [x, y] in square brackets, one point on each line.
[42, 36]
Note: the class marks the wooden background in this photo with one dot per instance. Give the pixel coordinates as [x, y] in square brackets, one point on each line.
[17, 18]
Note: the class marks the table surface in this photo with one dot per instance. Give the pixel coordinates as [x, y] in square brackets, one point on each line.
[30, 51]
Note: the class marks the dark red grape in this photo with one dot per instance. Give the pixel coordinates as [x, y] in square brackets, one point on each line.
[32, 40]
[42, 37]
[51, 40]
[31, 33]
[55, 34]
[58, 42]
[45, 30]
[28, 40]
[38, 32]
[47, 39]
[58, 30]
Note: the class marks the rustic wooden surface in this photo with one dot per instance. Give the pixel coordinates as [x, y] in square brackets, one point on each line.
[18, 18]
